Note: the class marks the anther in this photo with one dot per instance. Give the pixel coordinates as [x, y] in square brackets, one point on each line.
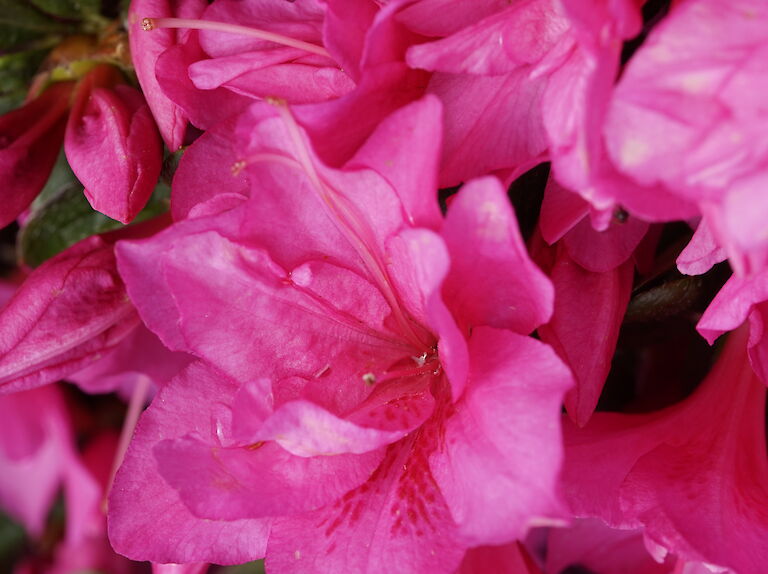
[275, 101]
[147, 24]
[369, 379]
[237, 167]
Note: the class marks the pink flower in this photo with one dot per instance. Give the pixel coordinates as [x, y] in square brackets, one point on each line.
[687, 116]
[205, 63]
[139, 354]
[485, 58]
[37, 457]
[367, 366]
[693, 475]
[741, 299]
[179, 568]
[112, 144]
[508, 558]
[702, 251]
[343, 60]
[91, 551]
[30, 139]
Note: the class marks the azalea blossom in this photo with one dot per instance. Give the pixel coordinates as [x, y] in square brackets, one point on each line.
[362, 387]
[368, 336]
[685, 117]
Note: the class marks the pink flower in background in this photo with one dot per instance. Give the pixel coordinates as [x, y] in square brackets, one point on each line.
[92, 552]
[72, 316]
[146, 49]
[741, 299]
[509, 558]
[688, 116]
[369, 373]
[693, 475]
[37, 457]
[484, 61]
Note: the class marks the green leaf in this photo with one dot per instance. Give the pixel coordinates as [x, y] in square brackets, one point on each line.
[61, 176]
[72, 9]
[21, 24]
[12, 37]
[12, 542]
[256, 567]
[61, 216]
[19, 14]
[63, 220]
[16, 72]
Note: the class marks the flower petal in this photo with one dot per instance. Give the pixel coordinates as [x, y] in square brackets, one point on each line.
[492, 280]
[504, 435]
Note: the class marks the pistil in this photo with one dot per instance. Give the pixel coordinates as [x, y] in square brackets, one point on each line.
[350, 224]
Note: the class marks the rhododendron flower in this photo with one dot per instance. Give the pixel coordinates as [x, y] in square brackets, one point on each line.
[91, 551]
[484, 62]
[694, 475]
[584, 328]
[363, 372]
[741, 299]
[205, 63]
[209, 64]
[179, 568]
[511, 558]
[112, 144]
[145, 50]
[702, 252]
[687, 116]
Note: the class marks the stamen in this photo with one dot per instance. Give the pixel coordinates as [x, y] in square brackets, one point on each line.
[237, 167]
[350, 227]
[369, 379]
[148, 24]
[135, 406]
[266, 158]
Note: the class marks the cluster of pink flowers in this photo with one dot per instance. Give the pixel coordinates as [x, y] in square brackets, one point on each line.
[345, 374]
